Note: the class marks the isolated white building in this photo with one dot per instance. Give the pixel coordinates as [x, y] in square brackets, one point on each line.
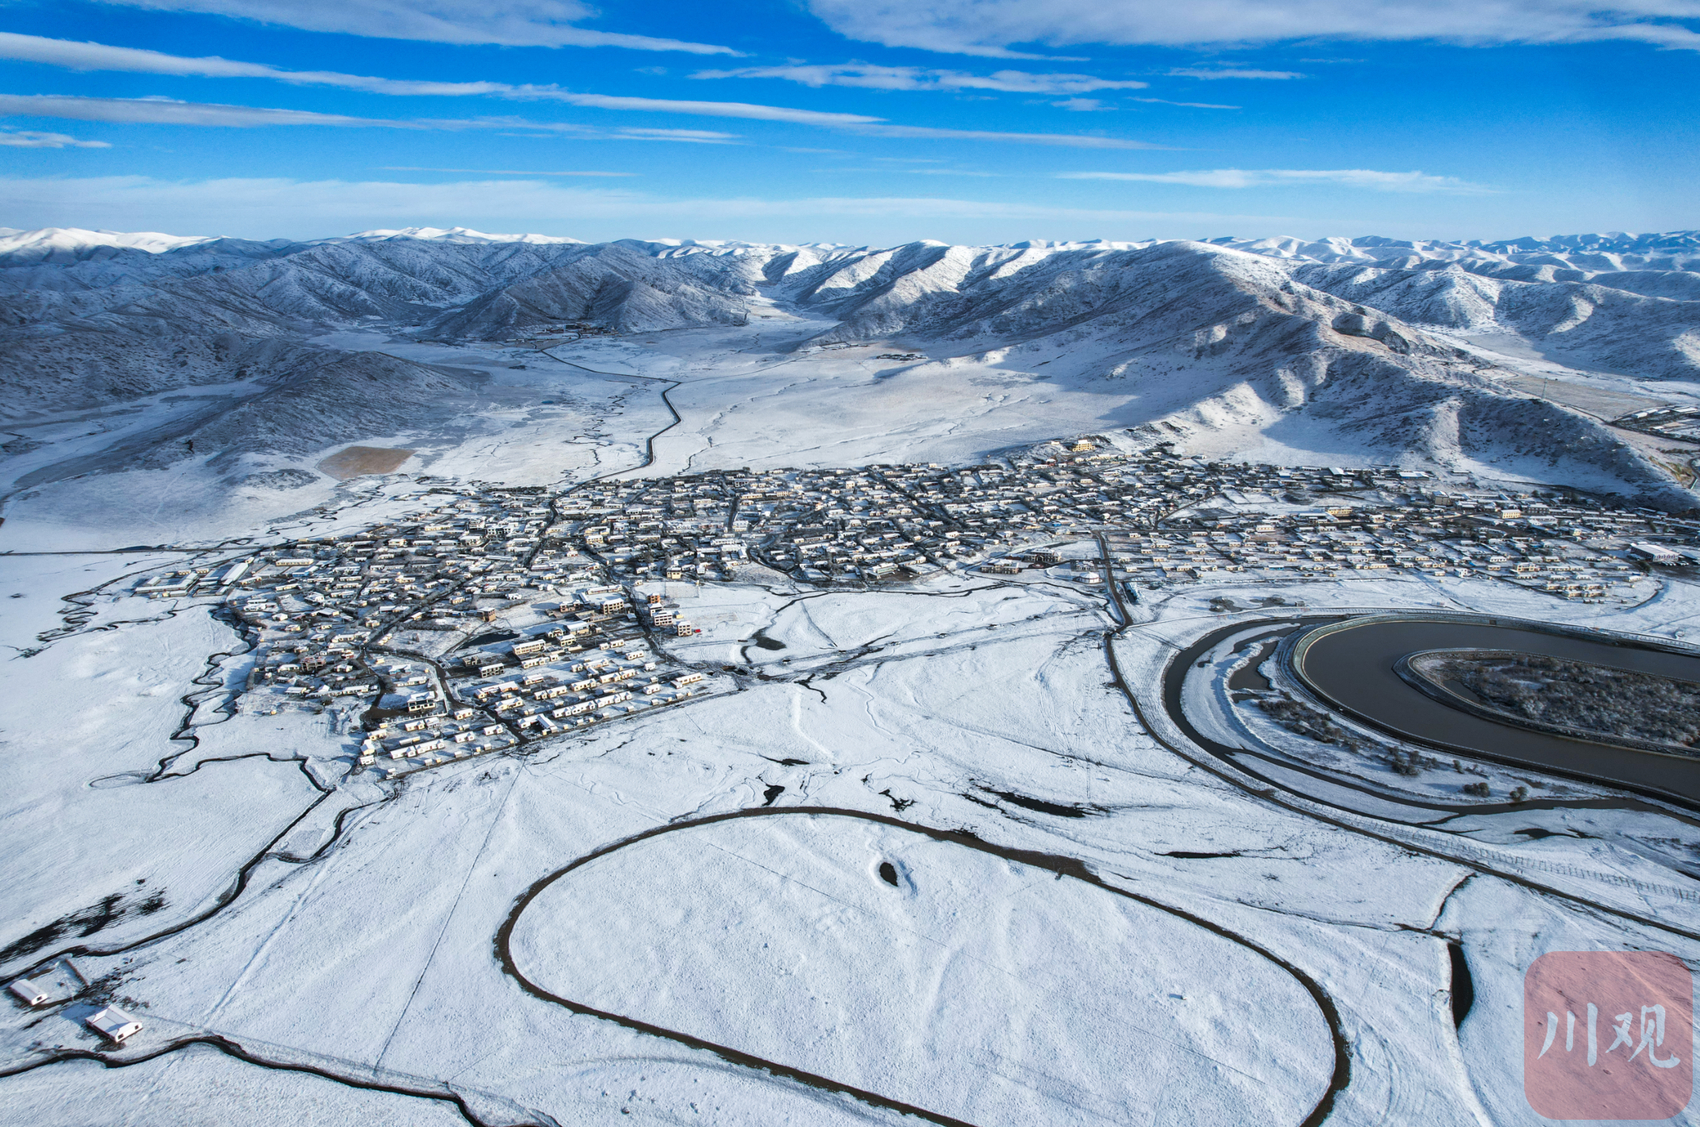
[28, 992]
[114, 1024]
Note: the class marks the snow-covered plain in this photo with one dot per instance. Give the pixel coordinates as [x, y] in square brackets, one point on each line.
[784, 938]
[1090, 918]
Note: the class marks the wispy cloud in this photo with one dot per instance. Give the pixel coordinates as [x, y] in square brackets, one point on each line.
[1267, 177]
[1064, 140]
[100, 56]
[700, 136]
[25, 139]
[165, 111]
[1189, 105]
[496, 171]
[993, 27]
[73, 55]
[1233, 72]
[268, 208]
[97, 56]
[871, 77]
[512, 23]
[1090, 104]
[751, 111]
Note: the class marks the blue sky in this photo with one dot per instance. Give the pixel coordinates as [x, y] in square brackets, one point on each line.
[860, 121]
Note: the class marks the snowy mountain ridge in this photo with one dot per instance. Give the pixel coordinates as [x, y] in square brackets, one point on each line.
[445, 235]
[62, 244]
[16, 244]
[1222, 344]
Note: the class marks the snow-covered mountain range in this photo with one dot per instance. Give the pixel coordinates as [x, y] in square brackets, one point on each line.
[1370, 337]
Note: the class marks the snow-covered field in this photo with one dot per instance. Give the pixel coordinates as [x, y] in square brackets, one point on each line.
[376, 959]
[943, 851]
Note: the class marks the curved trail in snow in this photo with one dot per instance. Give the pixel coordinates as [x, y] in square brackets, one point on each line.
[235, 1050]
[648, 443]
[1223, 762]
[207, 685]
[1062, 866]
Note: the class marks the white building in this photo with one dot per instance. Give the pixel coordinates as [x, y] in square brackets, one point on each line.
[1658, 553]
[28, 992]
[114, 1024]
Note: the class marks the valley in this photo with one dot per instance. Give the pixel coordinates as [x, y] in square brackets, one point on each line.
[464, 678]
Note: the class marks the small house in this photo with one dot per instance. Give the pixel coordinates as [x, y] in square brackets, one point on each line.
[28, 992]
[114, 1024]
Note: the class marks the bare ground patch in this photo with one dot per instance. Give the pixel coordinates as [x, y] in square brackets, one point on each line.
[358, 460]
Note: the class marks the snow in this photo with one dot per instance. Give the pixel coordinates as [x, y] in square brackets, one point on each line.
[1504, 929]
[359, 961]
[1094, 919]
[101, 802]
[1261, 344]
[202, 1087]
[59, 244]
[778, 937]
[448, 235]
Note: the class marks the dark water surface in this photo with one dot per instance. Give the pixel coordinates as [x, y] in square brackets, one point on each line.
[1351, 665]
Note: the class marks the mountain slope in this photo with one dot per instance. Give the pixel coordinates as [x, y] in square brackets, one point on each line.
[303, 401]
[1210, 338]
[1234, 338]
[626, 286]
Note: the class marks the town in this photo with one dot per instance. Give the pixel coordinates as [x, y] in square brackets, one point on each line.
[502, 615]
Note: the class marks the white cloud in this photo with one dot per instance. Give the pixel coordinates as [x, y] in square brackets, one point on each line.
[1082, 105]
[513, 23]
[1065, 140]
[73, 55]
[701, 109]
[700, 136]
[991, 27]
[269, 208]
[497, 171]
[1266, 177]
[165, 111]
[100, 56]
[521, 127]
[869, 76]
[1189, 105]
[25, 139]
[97, 56]
[1233, 72]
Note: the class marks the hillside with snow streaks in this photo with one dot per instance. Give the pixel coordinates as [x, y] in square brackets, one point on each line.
[1219, 344]
[1209, 337]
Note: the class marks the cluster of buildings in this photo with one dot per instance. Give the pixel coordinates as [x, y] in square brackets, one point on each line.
[471, 627]
[1664, 422]
[564, 333]
[499, 615]
[112, 1023]
[1164, 518]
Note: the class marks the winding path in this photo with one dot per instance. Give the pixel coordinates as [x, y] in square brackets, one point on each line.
[1225, 763]
[1069, 867]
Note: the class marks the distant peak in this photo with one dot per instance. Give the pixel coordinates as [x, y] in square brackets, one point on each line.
[49, 243]
[445, 235]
